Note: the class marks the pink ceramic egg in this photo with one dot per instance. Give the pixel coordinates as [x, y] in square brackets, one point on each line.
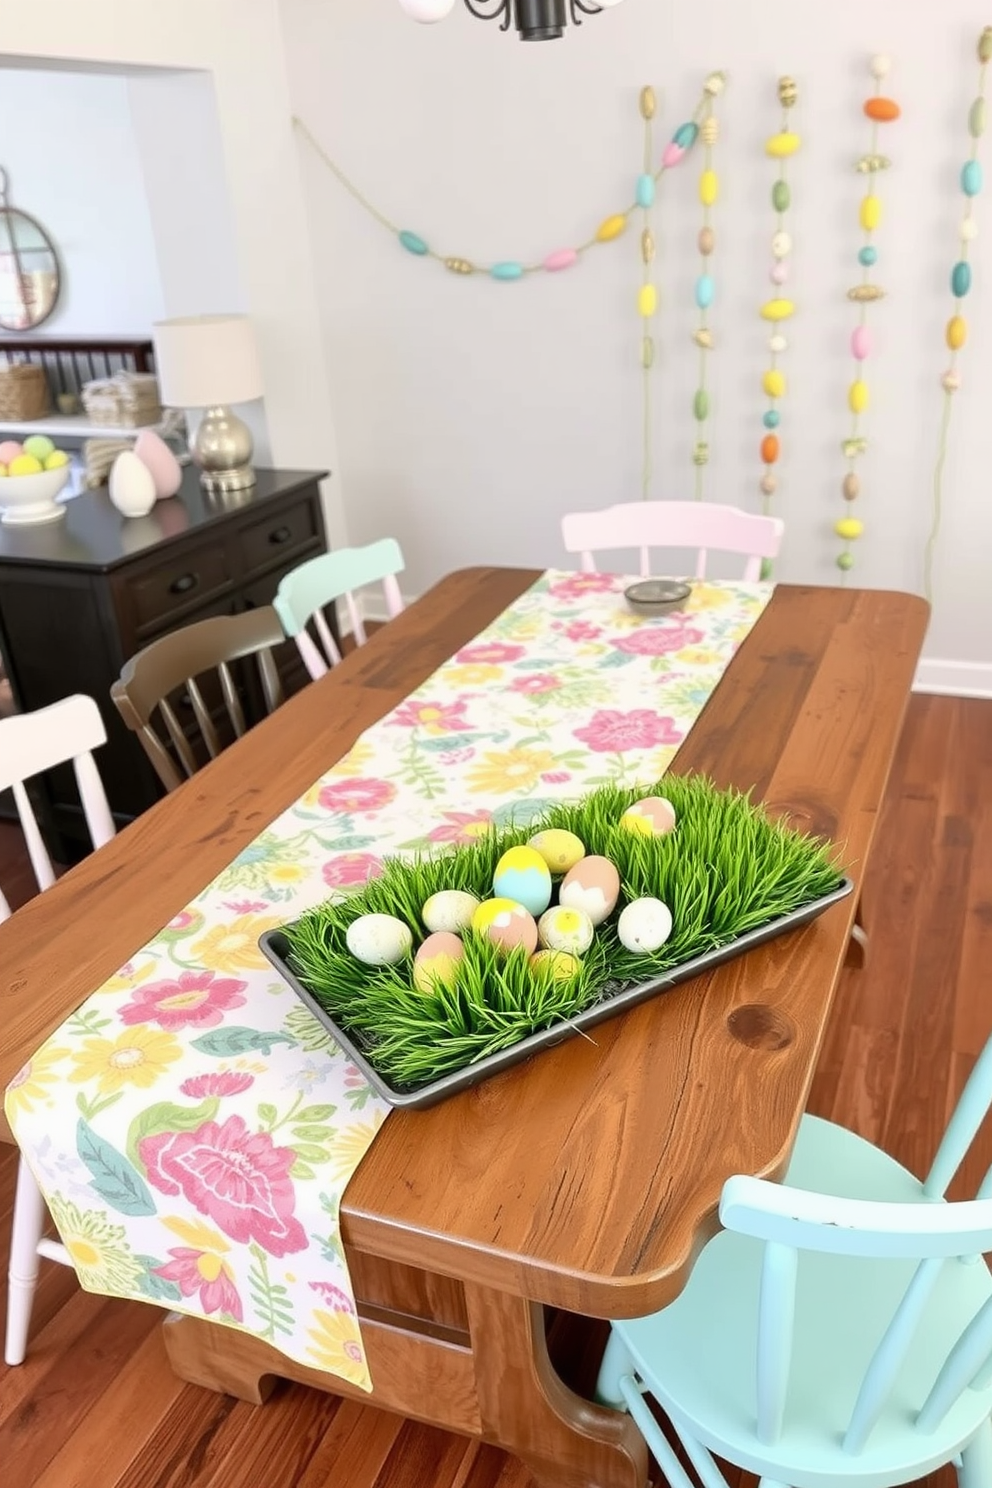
[593, 886]
[652, 817]
[157, 457]
[9, 450]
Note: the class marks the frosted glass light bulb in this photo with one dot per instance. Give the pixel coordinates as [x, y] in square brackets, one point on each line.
[428, 10]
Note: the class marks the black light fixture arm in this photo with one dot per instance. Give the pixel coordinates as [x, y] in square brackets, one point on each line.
[536, 20]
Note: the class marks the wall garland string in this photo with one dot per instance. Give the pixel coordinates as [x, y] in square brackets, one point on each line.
[647, 299]
[609, 230]
[880, 110]
[705, 290]
[780, 147]
[956, 331]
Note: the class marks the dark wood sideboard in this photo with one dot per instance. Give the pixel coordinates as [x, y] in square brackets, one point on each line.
[81, 596]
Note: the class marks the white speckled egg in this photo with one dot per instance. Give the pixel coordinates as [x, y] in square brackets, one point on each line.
[652, 817]
[593, 886]
[450, 910]
[561, 850]
[437, 961]
[379, 939]
[507, 924]
[568, 930]
[644, 926]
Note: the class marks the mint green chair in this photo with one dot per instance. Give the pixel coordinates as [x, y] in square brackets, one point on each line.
[839, 1329]
[303, 594]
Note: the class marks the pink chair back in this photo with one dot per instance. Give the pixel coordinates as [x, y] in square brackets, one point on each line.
[644, 525]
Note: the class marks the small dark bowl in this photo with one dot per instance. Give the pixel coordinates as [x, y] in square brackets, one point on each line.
[657, 596]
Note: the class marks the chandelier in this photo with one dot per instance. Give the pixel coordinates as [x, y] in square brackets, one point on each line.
[535, 20]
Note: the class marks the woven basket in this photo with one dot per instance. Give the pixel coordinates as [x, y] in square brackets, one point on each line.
[23, 393]
[128, 401]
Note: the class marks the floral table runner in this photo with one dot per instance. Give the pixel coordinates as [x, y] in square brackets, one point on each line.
[192, 1127]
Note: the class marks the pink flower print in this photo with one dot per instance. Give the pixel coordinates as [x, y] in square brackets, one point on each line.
[461, 826]
[493, 652]
[557, 777]
[202, 1271]
[247, 906]
[577, 585]
[228, 1082]
[349, 869]
[183, 920]
[582, 630]
[537, 682]
[434, 718]
[612, 732]
[237, 1178]
[356, 795]
[659, 640]
[197, 1000]
[335, 1298]
[456, 756]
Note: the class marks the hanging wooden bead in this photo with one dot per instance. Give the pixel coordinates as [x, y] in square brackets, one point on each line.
[647, 246]
[707, 241]
[459, 266]
[788, 92]
[648, 103]
[871, 165]
[851, 488]
[703, 338]
[709, 130]
[865, 294]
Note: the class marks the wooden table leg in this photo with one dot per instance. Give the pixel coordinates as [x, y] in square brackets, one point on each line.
[565, 1441]
[857, 946]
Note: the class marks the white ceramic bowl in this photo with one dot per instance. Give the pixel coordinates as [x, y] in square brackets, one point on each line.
[28, 499]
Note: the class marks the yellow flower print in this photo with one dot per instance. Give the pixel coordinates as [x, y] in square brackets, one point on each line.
[195, 1233]
[31, 1086]
[661, 760]
[499, 773]
[98, 1249]
[472, 674]
[337, 1346]
[708, 597]
[287, 873]
[349, 1146]
[234, 947]
[522, 628]
[701, 656]
[136, 1057]
[127, 978]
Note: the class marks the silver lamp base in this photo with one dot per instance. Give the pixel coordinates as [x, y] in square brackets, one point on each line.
[222, 448]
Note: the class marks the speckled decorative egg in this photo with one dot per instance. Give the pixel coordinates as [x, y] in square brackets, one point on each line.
[561, 850]
[563, 967]
[653, 817]
[379, 939]
[644, 926]
[523, 876]
[568, 930]
[593, 886]
[506, 923]
[449, 910]
[437, 961]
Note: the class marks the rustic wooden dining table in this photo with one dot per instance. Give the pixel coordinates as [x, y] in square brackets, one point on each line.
[582, 1184]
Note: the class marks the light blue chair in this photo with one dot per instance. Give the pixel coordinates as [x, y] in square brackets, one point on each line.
[305, 591]
[839, 1329]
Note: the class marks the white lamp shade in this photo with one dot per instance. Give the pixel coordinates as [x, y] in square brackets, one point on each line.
[205, 360]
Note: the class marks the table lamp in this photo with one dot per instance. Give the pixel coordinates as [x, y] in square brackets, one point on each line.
[210, 362]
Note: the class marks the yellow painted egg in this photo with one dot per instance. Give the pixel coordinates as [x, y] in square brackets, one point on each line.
[24, 465]
[379, 939]
[644, 926]
[561, 850]
[562, 966]
[593, 886]
[773, 383]
[781, 146]
[56, 460]
[653, 817]
[507, 924]
[436, 962]
[3, 471]
[568, 930]
[523, 876]
[849, 528]
[451, 910]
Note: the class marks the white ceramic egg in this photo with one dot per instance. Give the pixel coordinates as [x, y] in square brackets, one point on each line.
[568, 930]
[593, 886]
[378, 939]
[644, 926]
[450, 911]
[166, 471]
[132, 489]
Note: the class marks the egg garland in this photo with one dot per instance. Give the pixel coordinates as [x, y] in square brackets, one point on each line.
[956, 331]
[647, 297]
[880, 110]
[704, 292]
[35, 455]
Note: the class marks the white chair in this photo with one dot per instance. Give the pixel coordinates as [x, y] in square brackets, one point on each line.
[305, 591]
[29, 744]
[702, 525]
[838, 1332]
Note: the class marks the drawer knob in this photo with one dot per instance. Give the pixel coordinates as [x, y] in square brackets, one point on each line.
[280, 535]
[183, 584]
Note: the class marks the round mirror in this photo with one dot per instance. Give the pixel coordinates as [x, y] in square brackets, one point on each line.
[30, 280]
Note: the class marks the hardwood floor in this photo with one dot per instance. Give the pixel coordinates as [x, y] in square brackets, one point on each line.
[95, 1405]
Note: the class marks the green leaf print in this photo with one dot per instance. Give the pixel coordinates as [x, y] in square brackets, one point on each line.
[92, 1108]
[268, 1114]
[86, 1020]
[119, 1184]
[313, 1133]
[310, 1153]
[271, 1300]
[302, 1028]
[224, 1042]
[157, 1288]
[345, 844]
[310, 1114]
[358, 1099]
[164, 1116]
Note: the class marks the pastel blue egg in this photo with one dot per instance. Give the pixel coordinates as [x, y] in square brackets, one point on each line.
[971, 177]
[960, 279]
[413, 243]
[686, 135]
[771, 419]
[645, 190]
[705, 290]
[523, 876]
[507, 271]
[868, 257]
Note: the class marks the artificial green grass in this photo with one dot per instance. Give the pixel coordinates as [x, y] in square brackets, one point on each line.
[725, 869]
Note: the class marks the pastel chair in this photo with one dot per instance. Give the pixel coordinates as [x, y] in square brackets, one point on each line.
[701, 525]
[304, 592]
[838, 1331]
[29, 744]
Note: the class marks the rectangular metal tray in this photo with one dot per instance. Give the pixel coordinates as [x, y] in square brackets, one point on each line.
[276, 948]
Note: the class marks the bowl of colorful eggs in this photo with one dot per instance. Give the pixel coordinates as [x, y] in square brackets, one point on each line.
[31, 476]
[449, 967]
